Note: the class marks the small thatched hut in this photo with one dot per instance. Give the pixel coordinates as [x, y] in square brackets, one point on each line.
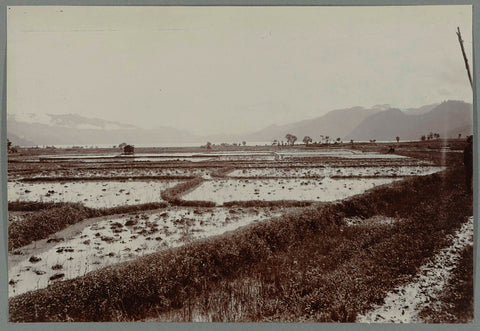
[129, 150]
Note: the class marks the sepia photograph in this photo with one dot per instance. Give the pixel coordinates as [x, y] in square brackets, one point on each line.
[240, 164]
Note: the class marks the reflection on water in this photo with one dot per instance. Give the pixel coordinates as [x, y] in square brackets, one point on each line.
[325, 189]
[95, 194]
[126, 238]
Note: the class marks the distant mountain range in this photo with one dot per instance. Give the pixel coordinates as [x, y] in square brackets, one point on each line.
[71, 121]
[380, 122]
[73, 129]
[449, 119]
[336, 123]
[420, 110]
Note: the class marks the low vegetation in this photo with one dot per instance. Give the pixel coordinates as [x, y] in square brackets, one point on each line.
[127, 209]
[34, 205]
[222, 172]
[172, 195]
[262, 203]
[53, 217]
[44, 222]
[304, 266]
[102, 178]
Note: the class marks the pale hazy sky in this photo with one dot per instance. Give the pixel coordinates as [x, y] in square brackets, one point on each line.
[232, 69]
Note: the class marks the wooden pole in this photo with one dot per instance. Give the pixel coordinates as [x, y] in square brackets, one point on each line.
[464, 56]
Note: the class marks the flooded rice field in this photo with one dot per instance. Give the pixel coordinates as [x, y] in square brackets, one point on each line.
[70, 254]
[101, 159]
[326, 171]
[94, 194]
[326, 189]
[192, 157]
[169, 159]
[339, 153]
[274, 154]
[321, 175]
[120, 172]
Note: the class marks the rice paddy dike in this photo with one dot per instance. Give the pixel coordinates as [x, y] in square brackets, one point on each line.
[79, 219]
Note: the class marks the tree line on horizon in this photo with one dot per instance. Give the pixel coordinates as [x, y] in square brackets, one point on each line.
[291, 139]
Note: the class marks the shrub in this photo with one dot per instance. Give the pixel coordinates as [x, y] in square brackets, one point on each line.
[261, 203]
[44, 222]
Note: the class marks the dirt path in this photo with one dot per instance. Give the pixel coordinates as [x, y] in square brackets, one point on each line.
[403, 304]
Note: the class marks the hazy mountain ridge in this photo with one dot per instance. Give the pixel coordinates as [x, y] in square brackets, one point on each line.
[18, 141]
[380, 122]
[73, 121]
[42, 134]
[420, 110]
[446, 119]
[335, 123]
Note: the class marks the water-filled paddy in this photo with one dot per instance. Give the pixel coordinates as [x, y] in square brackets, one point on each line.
[127, 159]
[328, 171]
[122, 172]
[324, 189]
[337, 153]
[118, 239]
[95, 194]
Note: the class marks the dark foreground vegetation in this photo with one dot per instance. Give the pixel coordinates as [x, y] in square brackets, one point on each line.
[305, 266]
[51, 217]
[263, 203]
